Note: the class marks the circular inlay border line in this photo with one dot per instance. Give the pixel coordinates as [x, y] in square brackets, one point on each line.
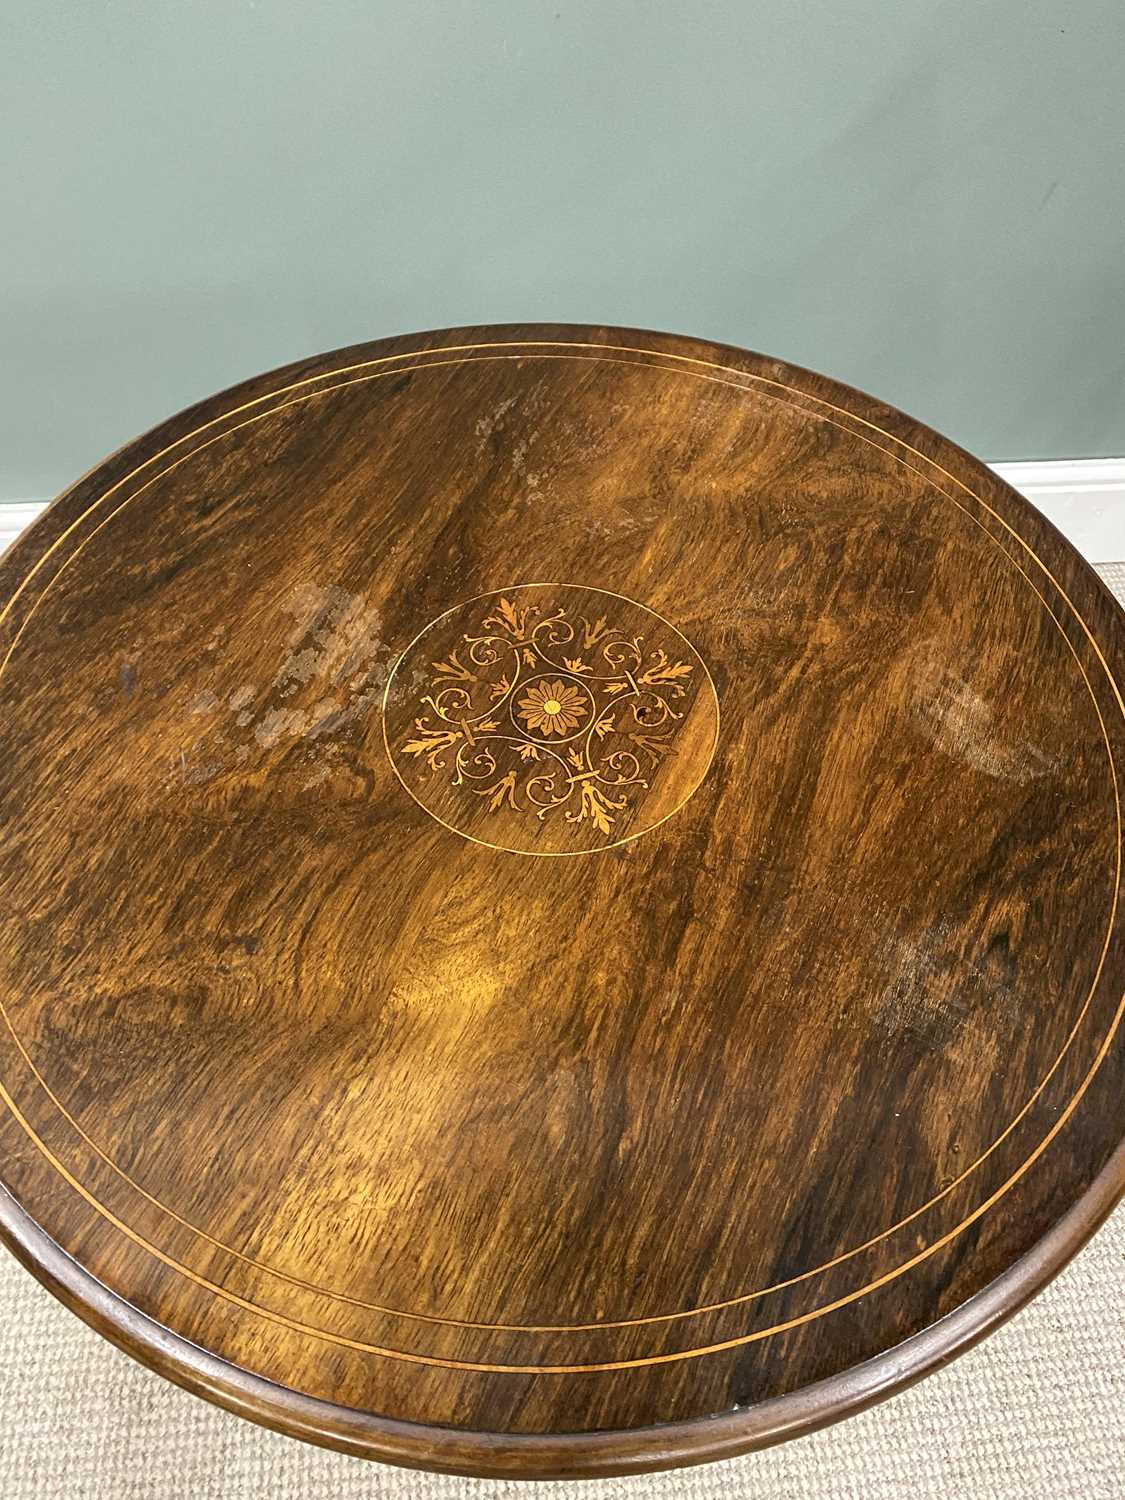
[650, 362]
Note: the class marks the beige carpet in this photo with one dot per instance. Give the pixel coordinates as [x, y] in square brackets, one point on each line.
[1036, 1411]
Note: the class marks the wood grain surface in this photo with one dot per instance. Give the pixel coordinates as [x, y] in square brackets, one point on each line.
[559, 899]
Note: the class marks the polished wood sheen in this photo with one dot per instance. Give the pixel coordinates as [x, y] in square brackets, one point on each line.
[560, 900]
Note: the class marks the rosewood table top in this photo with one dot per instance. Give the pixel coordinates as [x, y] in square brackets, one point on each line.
[560, 900]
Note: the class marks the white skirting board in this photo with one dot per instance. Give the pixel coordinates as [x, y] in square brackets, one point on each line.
[1084, 497]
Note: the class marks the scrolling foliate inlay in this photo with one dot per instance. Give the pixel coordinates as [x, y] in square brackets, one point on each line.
[550, 719]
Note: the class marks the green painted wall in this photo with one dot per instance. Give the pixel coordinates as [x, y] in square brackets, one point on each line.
[923, 197]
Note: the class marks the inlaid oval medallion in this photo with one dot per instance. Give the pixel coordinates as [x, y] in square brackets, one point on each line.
[550, 719]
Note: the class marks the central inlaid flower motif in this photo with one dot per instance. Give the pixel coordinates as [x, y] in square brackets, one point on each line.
[552, 708]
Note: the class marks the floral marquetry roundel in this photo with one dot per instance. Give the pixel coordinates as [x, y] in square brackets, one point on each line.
[550, 719]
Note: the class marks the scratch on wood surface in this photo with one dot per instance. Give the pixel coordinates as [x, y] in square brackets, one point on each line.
[960, 723]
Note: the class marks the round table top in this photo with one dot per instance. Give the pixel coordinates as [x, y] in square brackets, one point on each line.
[559, 899]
